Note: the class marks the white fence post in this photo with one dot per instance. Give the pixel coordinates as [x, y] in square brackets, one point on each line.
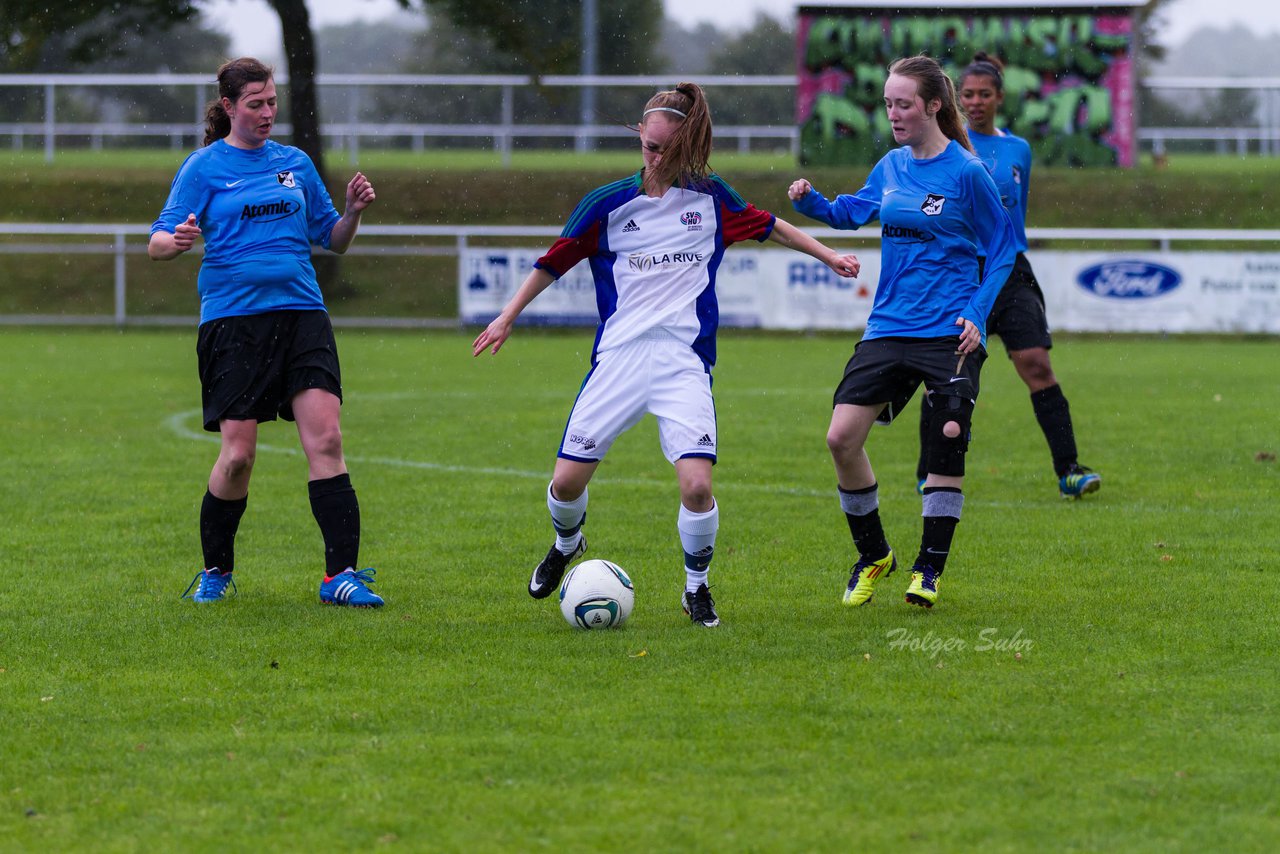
[49, 123]
[119, 279]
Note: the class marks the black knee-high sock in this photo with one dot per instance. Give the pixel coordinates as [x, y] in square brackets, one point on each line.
[333, 503]
[941, 515]
[219, 521]
[1054, 416]
[862, 510]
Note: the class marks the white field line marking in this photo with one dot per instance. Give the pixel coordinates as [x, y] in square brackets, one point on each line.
[177, 424]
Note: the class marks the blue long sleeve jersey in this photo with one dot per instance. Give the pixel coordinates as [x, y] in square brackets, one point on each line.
[1008, 159]
[260, 210]
[937, 215]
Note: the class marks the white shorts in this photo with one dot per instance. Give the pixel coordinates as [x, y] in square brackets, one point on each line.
[655, 373]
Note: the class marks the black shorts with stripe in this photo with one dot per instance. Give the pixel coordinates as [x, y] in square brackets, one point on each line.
[252, 366]
[889, 370]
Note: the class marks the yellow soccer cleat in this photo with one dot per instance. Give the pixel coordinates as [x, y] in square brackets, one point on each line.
[862, 583]
[923, 590]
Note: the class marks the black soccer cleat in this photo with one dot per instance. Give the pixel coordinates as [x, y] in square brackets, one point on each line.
[546, 578]
[700, 607]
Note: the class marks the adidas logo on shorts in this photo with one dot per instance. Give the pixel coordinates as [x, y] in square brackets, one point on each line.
[630, 226]
[705, 441]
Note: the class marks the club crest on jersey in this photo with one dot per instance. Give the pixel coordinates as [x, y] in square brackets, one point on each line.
[933, 204]
[286, 178]
[692, 219]
[1017, 174]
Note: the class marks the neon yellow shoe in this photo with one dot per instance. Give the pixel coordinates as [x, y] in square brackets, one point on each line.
[923, 590]
[862, 583]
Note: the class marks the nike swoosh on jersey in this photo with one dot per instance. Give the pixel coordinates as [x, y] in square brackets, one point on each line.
[233, 183]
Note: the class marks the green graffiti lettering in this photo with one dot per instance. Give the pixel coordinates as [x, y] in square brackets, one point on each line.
[1039, 51]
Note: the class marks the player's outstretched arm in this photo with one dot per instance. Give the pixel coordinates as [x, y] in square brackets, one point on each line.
[165, 246]
[788, 235]
[497, 332]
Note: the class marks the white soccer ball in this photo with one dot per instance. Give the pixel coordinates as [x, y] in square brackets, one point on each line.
[596, 594]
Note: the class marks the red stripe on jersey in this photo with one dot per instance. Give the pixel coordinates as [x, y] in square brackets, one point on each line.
[567, 251]
[750, 223]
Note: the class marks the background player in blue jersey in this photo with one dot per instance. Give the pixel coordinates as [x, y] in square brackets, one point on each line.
[654, 242]
[1018, 316]
[938, 209]
[266, 345]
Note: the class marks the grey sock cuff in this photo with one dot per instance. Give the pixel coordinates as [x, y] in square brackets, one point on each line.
[860, 503]
[942, 504]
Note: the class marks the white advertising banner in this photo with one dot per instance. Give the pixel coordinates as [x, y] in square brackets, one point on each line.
[1160, 291]
[780, 289]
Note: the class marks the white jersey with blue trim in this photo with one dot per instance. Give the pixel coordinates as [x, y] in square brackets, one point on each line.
[1008, 158]
[260, 210]
[937, 215]
[654, 258]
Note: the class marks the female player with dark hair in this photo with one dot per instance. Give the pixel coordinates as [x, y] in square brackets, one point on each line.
[1018, 316]
[938, 209]
[654, 241]
[266, 345]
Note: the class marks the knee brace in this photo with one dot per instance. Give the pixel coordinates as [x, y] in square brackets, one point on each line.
[945, 454]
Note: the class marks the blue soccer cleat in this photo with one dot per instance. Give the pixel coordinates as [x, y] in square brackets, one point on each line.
[350, 588]
[1079, 481]
[212, 586]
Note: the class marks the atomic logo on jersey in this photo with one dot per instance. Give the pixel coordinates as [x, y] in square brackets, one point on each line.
[271, 211]
[904, 234]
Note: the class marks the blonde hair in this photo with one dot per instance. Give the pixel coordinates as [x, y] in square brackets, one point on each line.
[688, 151]
[932, 83]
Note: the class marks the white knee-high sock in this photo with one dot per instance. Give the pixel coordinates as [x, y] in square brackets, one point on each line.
[698, 539]
[567, 518]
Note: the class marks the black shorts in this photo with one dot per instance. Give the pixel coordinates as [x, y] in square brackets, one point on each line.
[1018, 316]
[889, 370]
[252, 366]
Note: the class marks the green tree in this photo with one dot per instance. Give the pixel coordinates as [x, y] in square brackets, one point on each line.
[545, 36]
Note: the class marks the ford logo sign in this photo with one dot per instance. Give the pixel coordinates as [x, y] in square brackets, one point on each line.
[1129, 279]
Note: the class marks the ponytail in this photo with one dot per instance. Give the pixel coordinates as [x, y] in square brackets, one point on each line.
[932, 83]
[217, 124]
[688, 151]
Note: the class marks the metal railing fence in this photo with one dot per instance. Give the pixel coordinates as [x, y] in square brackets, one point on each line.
[502, 129]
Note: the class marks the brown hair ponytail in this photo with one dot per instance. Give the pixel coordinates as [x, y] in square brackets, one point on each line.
[932, 83]
[688, 151]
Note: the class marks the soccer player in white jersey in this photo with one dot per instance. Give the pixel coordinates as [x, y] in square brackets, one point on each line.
[654, 241]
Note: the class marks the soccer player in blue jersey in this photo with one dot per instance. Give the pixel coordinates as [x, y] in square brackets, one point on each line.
[939, 210]
[1018, 316]
[265, 345]
[654, 242]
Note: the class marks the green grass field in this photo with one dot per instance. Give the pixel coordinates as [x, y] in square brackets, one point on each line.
[466, 716]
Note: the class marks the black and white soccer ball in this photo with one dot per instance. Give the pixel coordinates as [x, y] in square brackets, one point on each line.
[596, 594]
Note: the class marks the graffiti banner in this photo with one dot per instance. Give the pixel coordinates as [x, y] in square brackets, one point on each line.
[1069, 78]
